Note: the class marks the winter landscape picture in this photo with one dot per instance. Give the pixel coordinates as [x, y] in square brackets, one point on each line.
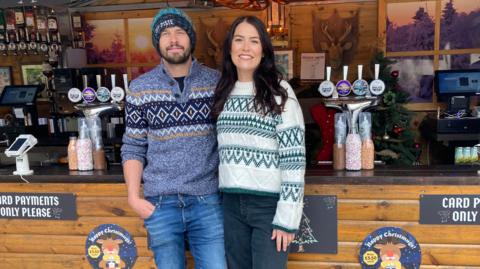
[105, 41]
[140, 45]
[410, 26]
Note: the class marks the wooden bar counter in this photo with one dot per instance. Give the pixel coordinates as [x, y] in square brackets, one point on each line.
[367, 200]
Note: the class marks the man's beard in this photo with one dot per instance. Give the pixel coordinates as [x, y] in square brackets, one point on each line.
[176, 58]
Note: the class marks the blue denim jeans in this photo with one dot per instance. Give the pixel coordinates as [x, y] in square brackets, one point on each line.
[248, 229]
[199, 219]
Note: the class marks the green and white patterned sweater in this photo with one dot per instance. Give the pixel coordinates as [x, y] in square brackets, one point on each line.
[263, 155]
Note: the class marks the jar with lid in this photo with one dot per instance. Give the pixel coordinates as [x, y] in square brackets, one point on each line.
[368, 148]
[72, 152]
[99, 162]
[353, 145]
[339, 141]
[84, 146]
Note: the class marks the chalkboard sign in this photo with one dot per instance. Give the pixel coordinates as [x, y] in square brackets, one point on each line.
[318, 227]
[48, 206]
[450, 209]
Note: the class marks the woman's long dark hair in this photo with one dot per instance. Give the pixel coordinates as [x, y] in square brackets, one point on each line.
[266, 77]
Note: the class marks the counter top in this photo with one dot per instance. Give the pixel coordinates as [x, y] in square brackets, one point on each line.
[390, 175]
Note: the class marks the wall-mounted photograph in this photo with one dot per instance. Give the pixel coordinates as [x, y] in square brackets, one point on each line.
[105, 41]
[140, 45]
[284, 63]
[410, 26]
[32, 74]
[460, 24]
[5, 77]
[415, 76]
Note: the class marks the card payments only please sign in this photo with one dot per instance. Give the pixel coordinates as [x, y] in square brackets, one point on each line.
[47, 206]
[450, 209]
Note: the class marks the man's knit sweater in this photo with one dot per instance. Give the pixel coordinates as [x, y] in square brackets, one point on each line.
[171, 131]
[263, 155]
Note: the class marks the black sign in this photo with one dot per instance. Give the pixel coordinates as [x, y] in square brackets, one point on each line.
[318, 228]
[49, 206]
[450, 209]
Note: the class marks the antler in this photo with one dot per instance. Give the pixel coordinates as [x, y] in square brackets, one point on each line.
[348, 29]
[211, 39]
[326, 33]
[251, 5]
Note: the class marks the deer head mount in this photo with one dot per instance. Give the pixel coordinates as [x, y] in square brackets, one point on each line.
[215, 36]
[337, 36]
[251, 5]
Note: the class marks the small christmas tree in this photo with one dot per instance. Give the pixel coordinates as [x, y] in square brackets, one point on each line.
[393, 138]
[305, 234]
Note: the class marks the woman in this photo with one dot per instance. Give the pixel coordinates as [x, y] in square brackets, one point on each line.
[262, 152]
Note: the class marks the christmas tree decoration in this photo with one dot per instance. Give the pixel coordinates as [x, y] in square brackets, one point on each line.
[305, 234]
[391, 117]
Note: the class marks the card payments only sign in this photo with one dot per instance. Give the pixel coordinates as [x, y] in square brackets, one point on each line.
[50, 206]
[450, 209]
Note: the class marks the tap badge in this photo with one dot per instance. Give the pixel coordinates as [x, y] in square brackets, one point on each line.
[390, 248]
[109, 246]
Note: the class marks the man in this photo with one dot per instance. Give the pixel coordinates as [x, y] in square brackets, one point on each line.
[170, 143]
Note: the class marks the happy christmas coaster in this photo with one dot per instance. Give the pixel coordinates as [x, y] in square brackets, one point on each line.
[392, 248]
[110, 246]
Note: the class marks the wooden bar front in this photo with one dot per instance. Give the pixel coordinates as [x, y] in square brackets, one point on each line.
[367, 200]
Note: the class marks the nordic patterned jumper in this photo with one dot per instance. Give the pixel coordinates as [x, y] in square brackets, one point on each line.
[263, 154]
[172, 133]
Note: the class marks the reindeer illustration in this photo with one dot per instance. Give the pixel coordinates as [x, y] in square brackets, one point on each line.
[336, 47]
[390, 254]
[338, 37]
[215, 36]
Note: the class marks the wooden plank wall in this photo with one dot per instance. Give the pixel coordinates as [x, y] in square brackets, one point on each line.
[361, 210]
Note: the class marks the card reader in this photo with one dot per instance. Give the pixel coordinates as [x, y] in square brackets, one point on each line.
[22, 144]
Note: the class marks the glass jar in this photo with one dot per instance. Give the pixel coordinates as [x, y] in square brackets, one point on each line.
[339, 141]
[72, 153]
[84, 146]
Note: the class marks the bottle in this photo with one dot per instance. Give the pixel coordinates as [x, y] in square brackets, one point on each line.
[368, 148]
[84, 147]
[72, 153]
[353, 146]
[339, 143]
[99, 162]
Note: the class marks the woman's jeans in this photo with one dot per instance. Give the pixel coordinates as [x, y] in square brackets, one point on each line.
[199, 219]
[248, 229]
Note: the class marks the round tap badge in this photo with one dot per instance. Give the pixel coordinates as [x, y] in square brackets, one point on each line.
[103, 94]
[88, 95]
[117, 94]
[344, 87]
[74, 95]
[360, 87]
[326, 88]
[390, 248]
[377, 87]
[110, 246]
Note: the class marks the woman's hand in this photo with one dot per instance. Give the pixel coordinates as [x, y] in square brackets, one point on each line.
[283, 239]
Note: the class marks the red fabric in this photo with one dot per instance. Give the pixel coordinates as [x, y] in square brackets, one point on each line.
[325, 119]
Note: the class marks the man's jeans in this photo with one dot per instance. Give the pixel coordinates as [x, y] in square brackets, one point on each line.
[248, 229]
[199, 219]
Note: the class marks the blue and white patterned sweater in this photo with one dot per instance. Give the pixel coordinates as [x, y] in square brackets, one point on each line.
[171, 131]
[263, 155]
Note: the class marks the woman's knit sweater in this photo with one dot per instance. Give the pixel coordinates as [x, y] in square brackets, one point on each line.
[263, 154]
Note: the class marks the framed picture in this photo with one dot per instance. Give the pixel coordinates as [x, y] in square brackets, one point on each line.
[5, 77]
[312, 66]
[32, 74]
[284, 63]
